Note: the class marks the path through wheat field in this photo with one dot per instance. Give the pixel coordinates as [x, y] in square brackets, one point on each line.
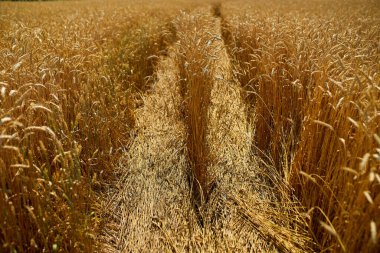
[155, 208]
[190, 126]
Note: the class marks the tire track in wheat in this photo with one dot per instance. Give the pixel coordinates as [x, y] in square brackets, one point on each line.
[152, 208]
[235, 170]
[154, 199]
[248, 209]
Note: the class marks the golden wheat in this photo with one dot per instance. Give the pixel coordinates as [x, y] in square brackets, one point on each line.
[66, 113]
[310, 74]
[176, 126]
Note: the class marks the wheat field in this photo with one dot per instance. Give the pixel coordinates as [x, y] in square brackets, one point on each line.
[190, 126]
